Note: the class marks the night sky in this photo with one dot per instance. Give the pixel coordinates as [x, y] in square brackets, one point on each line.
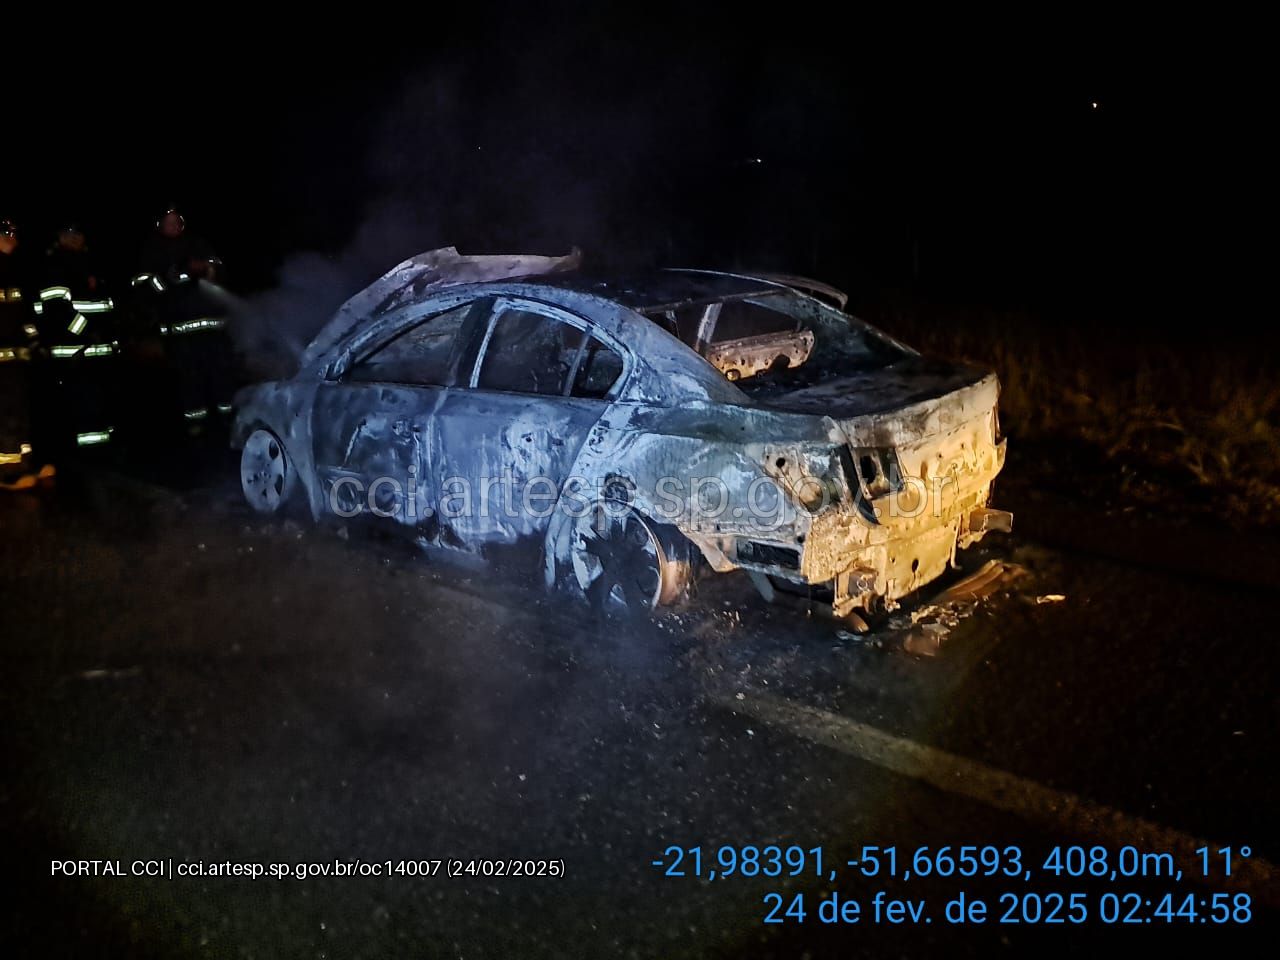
[1070, 171]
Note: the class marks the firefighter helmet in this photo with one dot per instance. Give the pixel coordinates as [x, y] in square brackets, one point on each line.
[171, 209]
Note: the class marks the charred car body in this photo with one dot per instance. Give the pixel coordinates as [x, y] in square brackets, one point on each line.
[631, 428]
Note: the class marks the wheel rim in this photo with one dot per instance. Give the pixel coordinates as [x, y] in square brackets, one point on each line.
[264, 471]
[629, 559]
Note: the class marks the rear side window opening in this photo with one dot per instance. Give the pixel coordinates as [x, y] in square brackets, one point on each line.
[530, 352]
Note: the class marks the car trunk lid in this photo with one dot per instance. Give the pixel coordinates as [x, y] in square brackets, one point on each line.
[914, 382]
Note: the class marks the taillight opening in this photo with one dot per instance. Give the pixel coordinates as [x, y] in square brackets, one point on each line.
[878, 471]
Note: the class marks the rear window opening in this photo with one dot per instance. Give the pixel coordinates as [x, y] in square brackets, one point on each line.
[739, 319]
[772, 343]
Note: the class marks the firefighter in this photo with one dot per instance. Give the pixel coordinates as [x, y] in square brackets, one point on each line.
[69, 262]
[180, 298]
[13, 296]
[71, 306]
[18, 463]
[173, 255]
[14, 323]
[75, 369]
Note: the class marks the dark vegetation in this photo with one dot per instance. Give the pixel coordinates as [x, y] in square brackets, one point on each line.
[1188, 422]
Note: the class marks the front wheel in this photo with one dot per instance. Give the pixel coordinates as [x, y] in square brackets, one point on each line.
[266, 475]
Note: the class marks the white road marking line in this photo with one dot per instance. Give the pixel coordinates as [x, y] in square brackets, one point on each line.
[1005, 791]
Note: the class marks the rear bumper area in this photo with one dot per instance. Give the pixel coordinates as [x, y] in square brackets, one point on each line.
[885, 574]
[882, 575]
[857, 561]
[884, 561]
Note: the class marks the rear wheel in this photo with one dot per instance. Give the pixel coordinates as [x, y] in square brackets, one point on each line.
[629, 567]
[266, 475]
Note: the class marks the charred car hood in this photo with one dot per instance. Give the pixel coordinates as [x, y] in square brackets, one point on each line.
[910, 381]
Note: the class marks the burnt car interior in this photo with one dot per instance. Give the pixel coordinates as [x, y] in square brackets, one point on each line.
[524, 351]
[529, 352]
[419, 355]
[770, 324]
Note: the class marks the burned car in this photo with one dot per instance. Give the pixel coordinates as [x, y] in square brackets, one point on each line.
[628, 430]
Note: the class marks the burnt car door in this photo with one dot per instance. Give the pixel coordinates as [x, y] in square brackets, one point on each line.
[374, 429]
[541, 380]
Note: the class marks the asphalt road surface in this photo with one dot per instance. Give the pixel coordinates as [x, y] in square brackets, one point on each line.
[186, 683]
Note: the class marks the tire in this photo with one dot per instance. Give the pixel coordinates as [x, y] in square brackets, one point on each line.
[635, 565]
[266, 472]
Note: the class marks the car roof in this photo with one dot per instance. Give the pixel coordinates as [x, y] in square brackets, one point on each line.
[656, 290]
